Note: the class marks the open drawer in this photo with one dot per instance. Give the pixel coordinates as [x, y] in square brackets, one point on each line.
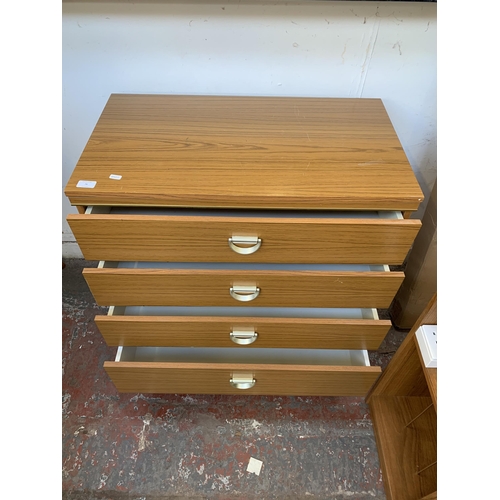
[243, 328]
[294, 372]
[183, 235]
[226, 284]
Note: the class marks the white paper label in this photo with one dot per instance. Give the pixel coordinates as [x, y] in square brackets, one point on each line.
[116, 177]
[254, 466]
[86, 184]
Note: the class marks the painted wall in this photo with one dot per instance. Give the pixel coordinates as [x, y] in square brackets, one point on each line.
[319, 49]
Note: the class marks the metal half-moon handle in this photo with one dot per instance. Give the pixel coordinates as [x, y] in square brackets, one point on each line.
[235, 241]
[243, 337]
[242, 381]
[244, 293]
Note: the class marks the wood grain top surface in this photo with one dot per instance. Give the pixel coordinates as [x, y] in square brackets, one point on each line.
[245, 152]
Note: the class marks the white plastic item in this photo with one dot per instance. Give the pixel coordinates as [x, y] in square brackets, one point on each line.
[427, 341]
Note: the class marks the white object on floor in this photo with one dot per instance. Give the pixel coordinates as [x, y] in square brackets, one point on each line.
[254, 466]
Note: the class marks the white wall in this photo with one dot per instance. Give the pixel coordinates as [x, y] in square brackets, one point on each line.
[321, 49]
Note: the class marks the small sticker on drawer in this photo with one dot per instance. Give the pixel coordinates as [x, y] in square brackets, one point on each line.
[115, 177]
[86, 184]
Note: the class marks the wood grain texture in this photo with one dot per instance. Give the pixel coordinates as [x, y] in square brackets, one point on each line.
[408, 453]
[404, 376]
[208, 331]
[209, 378]
[430, 496]
[431, 379]
[205, 239]
[246, 152]
[420, 281]
[406, 450]
[429, 314]
[194, 287]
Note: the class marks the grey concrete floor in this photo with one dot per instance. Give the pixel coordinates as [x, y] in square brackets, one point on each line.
[185, 446]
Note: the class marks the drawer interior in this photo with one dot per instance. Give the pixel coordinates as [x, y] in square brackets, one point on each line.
[271, 312]
[295, 214]
[329, 357]
[245, 266]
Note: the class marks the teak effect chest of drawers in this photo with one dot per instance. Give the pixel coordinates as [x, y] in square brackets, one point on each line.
[244, 242]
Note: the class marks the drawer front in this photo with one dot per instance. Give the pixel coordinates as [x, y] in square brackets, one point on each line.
[195, 287]
[205, 378]
[242, 332]
[278, 240]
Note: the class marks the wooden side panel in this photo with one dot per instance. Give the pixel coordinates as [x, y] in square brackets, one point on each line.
[420, 282]
[205, 239]
[179, 287]
[430, 496]
[429, 315]
[405, 424]
[207, 331]
[404, 376]
[203, 378]
[431, 378]
[406, 433]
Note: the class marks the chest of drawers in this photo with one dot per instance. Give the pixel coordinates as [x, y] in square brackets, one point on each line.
[244, 242]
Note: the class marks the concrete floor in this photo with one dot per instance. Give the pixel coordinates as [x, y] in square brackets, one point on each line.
[151, 447]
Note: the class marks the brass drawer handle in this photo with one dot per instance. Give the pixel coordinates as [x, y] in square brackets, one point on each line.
[243, 337]
[242, 381]
[244, 293]
[234, 241]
